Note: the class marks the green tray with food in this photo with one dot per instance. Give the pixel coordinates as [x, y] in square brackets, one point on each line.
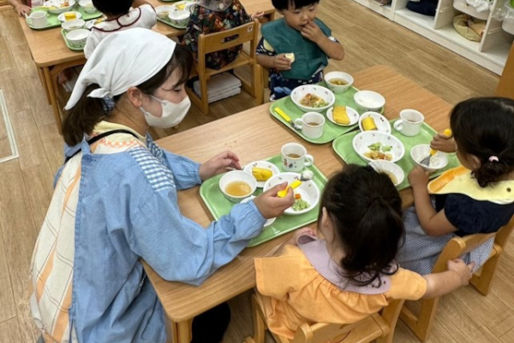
[344, 148]
[52, 19]
[176, 14]
[289, 106]
[219, 205]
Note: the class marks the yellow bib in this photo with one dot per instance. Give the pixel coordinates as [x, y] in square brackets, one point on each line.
[459, 180]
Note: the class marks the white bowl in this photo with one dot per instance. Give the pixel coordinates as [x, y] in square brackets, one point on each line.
[88, 6]
[307, 190]
[269, 221]
[437, 161]
[352, 114]
[391, 169]
[77, 38]
[63, 19]
[381, 122]
[338, 75]
[237, 175]
[179, 17]
[58, 6]
[362, 141]
[299, 93]
[73, 24]
[261, 164]
[369, 101]
[163, 11]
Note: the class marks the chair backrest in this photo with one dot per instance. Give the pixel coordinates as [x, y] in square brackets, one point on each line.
[457, 246]
[506, 84]
[222, 40]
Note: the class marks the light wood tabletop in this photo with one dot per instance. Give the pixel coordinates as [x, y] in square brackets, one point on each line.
[254, 135]
[51, 55]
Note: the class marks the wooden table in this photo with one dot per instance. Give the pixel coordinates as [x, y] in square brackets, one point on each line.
[51, 55]
[254, 135]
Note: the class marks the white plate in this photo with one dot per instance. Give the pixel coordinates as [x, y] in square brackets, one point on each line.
[308, 190]
[389, 168]
[267, 222]
[301, 91]
[262, 164]
[381, 122]
[352, 114]
[363, 140]
[57, 4]
[61, 16]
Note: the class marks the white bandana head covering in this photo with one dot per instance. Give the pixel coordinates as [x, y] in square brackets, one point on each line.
[123, 59]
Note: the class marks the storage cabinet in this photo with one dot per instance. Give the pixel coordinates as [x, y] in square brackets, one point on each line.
[491, 52]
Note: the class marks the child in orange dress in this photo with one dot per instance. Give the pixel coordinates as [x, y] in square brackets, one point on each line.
[350, 273]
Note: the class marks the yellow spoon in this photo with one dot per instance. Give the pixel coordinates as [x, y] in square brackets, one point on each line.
[292, 185]
[426, 160]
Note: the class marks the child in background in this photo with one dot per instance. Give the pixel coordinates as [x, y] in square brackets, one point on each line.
[296, 47]
[475, 198]
[19, 7]
[351, 272]
[208, 16]
[120, 16]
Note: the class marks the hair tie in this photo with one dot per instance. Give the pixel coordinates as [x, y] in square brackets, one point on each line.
[493, 158]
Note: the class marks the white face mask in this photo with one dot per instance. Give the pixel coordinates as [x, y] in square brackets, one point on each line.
[172, 114]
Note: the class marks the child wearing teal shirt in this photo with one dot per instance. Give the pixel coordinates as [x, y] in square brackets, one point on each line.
[296, 47]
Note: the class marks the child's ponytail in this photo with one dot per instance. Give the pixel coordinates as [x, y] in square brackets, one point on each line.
[483, 128]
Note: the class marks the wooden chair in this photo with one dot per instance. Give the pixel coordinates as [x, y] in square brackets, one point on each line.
[506, 85]
[378, 326]
[421, 322]
[212, 42]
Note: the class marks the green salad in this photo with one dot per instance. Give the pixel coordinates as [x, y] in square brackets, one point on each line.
[300, 204]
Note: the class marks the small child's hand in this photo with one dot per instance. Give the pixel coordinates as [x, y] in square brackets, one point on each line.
[22, 9]
[418, 177]
[312, 32]
[281, 62]
[463, 270]
[443, 143]
[257, 15]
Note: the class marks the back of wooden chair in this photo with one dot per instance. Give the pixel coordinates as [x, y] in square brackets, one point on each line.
[421, 322]
[378, 326]
[506, 84]
[218, 41]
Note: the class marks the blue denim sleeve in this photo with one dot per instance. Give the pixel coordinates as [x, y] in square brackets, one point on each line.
[185, 170]
[178, 248]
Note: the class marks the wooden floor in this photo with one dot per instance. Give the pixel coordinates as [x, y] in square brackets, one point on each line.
[26, 183]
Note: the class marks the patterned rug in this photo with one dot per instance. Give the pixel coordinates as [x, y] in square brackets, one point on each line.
[8, 148]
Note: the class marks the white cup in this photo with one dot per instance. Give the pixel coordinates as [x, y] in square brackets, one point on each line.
[295, 157]
[37, 19]
[311, 124]
[410, 122]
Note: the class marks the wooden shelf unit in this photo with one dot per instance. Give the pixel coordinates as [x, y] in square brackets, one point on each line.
[491, 52]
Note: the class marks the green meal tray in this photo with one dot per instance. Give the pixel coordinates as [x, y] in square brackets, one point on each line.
[344, 149]
[52, 20]
[219, 206]
[331, 130]
[168, 22]
[63, 34]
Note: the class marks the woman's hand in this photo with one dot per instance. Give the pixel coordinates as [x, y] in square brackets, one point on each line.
[219, 164]
[270, 205]
[443, 143]
[418, 177]
[312, 32]
[463, 270]
[281, 62]
[21, 9]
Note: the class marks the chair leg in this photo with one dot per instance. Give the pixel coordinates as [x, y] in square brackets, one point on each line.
[259, 327]
[257, 84]
[422, 323]
[203, 93]
[482, 281]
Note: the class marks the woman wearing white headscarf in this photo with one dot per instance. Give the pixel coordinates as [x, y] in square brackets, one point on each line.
[115, 201]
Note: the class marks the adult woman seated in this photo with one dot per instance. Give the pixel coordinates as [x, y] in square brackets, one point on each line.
[115, 201]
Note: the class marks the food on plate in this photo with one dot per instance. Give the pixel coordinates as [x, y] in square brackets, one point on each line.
[368, 124]
[338, 81]
[300, 204]
[340, 115]
[261, 174]
[378, 151]
[290, 56]
[163, 14]
[312, 100]
[70, 16]
[238, 188]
